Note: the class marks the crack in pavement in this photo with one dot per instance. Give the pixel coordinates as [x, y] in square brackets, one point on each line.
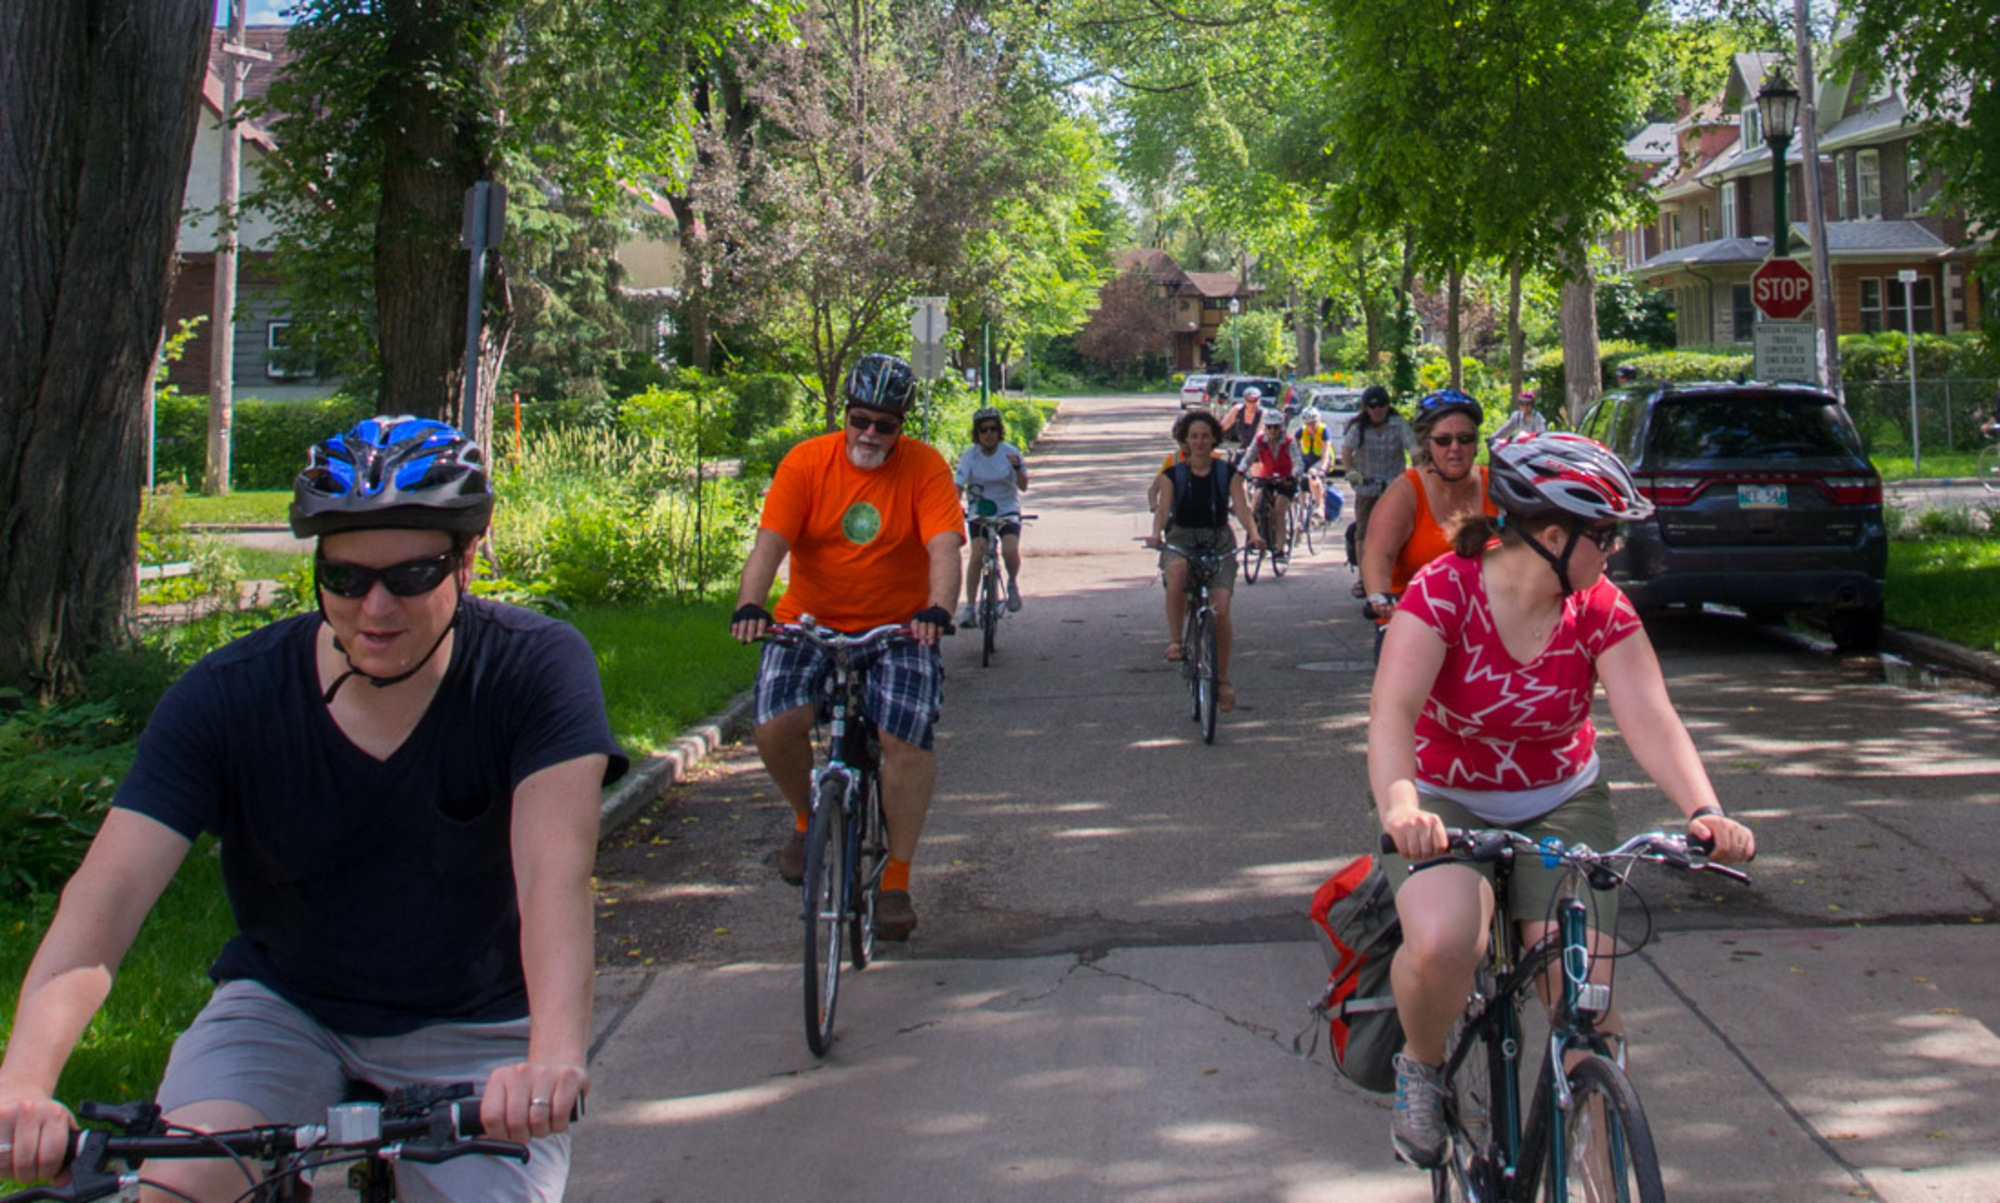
[1255, 1029]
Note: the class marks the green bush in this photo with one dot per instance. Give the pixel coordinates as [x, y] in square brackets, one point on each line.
[59, 767]
[268, 439]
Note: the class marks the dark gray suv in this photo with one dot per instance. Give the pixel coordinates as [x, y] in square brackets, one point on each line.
[1764, 500]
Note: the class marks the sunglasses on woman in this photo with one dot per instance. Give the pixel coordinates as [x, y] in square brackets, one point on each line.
[881, 425]
[411, 578]
[1446, 440]
[987, 430]
[1609, 538]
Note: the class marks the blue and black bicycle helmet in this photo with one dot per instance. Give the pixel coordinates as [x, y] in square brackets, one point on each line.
[881, 382]
[1443, 404]
[393, 471]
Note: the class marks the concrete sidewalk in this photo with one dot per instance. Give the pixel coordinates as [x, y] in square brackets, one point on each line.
[1789, 1064]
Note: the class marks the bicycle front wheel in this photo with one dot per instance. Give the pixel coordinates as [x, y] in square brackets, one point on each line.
[1607, 1146]
[870, 839]
[1989, 468]
[1471, 1106]
[1209, 679]
[989, 616]
[825, 913]
[1305, 520]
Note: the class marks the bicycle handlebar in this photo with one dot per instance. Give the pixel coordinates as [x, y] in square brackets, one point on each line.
[1686, 852]
[806, 630]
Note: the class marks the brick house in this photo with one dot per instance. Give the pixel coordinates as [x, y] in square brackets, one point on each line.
[1711, 177]
[1199, 300]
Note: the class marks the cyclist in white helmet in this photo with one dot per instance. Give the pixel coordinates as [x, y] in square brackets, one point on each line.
[1481, 718]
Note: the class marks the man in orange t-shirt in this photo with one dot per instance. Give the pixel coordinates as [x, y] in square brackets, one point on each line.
[873, 529]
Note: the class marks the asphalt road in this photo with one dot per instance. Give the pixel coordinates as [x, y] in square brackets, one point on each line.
[1114, 956]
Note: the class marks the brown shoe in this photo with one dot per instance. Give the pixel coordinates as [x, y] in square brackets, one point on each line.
[792, 859]
[1225, 697]
[895, 915]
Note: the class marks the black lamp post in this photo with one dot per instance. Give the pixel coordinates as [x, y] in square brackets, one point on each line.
[1778, 108]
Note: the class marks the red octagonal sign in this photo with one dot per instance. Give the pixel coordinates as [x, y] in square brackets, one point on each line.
[1782, 289]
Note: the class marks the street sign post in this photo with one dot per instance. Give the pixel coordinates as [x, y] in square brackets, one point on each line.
[1784, 351]
[1781, 289]
[927, 329]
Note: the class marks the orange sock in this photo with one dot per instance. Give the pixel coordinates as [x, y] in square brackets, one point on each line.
[802, 821]
[896, 875]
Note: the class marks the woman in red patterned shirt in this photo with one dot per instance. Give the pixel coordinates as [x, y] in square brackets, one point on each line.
[1481, 718]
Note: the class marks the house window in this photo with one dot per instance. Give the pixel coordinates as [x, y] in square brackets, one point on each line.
[1674, 231]
[1871, 305]
[1701, 222]
[1868, 182]
[1844, 194]
[1753, 126]
[1923, 306]
[1742, 314]
[282, 361]
[1729, 209]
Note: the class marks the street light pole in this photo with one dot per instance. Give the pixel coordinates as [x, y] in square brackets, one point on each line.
[1778, 108]
[1235, 340]
[1908, 279]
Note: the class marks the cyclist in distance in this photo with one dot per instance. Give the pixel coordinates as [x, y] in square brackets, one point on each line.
[405, 785]
[872, 525]
[1524, 419]
[1244, 418]
[1275, 462]
[1375, 447]
[1311, 438]
[1481, 718]
[1411, 524]
[991, 470]
[1193, 511]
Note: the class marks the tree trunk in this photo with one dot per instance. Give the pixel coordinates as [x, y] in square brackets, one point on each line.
[430, 157]
[1517, 342]
[1581, 370]
[1454, 293]
[98, 103]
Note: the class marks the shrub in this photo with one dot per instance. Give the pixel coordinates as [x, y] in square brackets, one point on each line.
[59, 767]
[268, 439]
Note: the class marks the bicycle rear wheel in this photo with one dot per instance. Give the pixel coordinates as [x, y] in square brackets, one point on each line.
[1208, 678]
[825, 917]
[1279, 539]
[1989, 468]
[870, 839]
[1304, 519]
[1607, 1145]
[989, 615]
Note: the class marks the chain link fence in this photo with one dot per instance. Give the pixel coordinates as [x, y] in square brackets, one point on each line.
[1949, 413]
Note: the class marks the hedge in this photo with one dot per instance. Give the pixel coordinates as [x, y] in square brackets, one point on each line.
[268, 439]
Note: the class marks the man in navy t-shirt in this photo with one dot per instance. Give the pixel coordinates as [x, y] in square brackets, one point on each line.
[407, 855]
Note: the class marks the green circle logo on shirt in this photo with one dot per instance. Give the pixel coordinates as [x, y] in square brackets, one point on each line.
[861, 523]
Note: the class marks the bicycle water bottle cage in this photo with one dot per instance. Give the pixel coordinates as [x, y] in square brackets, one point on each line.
[1551, 852]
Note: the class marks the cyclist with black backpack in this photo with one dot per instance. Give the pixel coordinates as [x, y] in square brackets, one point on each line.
[1193, 511]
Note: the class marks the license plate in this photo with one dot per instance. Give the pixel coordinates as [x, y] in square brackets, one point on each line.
[1760, 497]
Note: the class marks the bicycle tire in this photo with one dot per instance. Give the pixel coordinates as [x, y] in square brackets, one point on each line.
[1607, 1145]
[870, 839]
[1279, 540]
[1210, 678]
[989, 616]
[1469, 1173]
[1253, 560]
[1306, 522]
[1989, 468]
[825, 904]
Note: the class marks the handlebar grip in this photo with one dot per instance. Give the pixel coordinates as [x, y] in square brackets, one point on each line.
[491, 1148]
[1388, 844]
[1699, 843]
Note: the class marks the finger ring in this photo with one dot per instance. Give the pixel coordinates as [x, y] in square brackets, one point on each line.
[538, 1102]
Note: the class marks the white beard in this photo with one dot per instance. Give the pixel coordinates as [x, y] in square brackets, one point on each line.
[867, 458]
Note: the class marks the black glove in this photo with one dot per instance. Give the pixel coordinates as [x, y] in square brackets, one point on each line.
[749, 612]
[937, 616]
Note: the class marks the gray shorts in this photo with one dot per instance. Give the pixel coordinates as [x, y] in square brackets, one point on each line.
[1531, 889]
[1204, 538]
[252, 1047]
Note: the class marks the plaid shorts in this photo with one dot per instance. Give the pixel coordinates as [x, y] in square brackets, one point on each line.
[903, 695]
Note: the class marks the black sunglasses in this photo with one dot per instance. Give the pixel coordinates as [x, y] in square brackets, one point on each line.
[989, 429]
[1377, 405]
[881, 425]
[411, 578]
[1608, 538]
[1446, 440]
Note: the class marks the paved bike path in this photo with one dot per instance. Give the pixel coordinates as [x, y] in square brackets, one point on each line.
[1114, 956]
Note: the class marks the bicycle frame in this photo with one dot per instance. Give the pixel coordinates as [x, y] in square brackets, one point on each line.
[850, 759]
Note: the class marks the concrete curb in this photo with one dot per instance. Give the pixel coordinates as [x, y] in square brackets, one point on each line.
[1971, 662]
[661, 771]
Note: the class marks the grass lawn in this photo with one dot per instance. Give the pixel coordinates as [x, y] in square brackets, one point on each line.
[257, 505]
[1946, 586]
[664, 667]
[1936, 466]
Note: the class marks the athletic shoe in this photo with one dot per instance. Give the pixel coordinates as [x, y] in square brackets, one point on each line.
[968, 616]
[895, 915]
[1416, 1126]
[1013, 598]
[792, 859]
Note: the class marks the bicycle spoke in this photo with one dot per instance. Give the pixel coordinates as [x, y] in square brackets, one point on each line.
[825, 903]
[1607, 1145]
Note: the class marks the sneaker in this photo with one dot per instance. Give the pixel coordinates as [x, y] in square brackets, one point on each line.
[1013, 598]
[895, 915]
[967, 616]
[1416, 1127]
[792, 859]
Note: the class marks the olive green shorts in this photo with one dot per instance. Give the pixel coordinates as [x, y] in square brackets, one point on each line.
[1531, 888]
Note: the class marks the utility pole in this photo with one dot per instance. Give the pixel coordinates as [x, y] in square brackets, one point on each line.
[1829, 338]
[222, 319]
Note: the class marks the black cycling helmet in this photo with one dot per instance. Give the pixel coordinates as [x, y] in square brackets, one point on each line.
[988, 414]
[1375, 394]
[1444, 403]
[393, 471]
[1627, 373]
[881, 382]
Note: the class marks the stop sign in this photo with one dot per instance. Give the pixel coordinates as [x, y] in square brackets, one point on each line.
[1782, 289]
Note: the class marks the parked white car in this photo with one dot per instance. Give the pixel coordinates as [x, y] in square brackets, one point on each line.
[1193, 390]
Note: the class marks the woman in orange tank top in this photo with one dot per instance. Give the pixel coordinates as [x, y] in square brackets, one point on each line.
[1412, 524]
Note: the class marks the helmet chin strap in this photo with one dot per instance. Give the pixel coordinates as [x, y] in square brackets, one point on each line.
[1559, 563]
[385, 682]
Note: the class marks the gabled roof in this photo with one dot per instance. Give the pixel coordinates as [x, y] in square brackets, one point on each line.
[1654, 144]
[1210, 284]
[1159, 266]
[1899, 238]
[1885, 116]
[1713, 252]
